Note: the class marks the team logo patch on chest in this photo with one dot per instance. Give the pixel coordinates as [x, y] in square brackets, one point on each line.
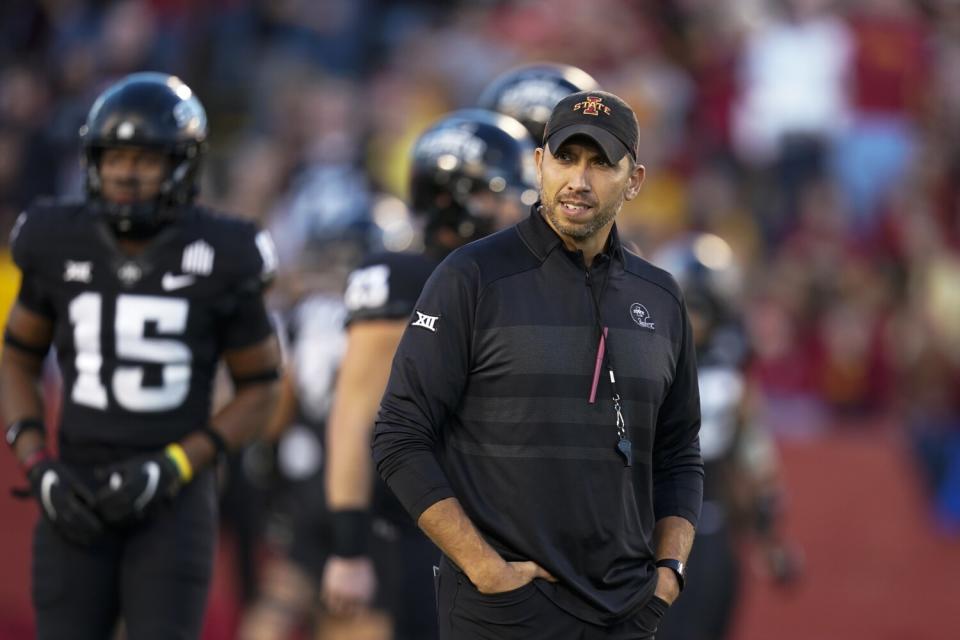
[641, 316]
[129, 273]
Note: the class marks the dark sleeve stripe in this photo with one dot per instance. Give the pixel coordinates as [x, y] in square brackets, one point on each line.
[269, 375]
[11, 340]
[395, 312]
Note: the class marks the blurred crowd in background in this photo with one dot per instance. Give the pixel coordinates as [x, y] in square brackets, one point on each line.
[820, 139]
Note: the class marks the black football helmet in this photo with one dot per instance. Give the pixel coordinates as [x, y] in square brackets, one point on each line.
[468, 153]
[152, 110]
[712, 284]
[529, 93]
[704, 266]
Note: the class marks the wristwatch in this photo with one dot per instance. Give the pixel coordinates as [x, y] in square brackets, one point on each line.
[18, 427]
[679, 569]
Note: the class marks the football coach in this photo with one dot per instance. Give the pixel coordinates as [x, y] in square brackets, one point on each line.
[542, 415]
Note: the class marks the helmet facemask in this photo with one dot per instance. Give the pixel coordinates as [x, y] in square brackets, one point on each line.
[144, 218]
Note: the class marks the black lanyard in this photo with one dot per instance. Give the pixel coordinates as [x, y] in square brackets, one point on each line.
[604, 353]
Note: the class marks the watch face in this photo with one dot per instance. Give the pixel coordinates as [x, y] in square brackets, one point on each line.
[676, 566]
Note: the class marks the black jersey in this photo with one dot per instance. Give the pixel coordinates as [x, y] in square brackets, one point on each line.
[386, 286]
[316, 343]
[138, 338]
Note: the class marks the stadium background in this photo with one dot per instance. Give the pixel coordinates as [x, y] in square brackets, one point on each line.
[820, 139]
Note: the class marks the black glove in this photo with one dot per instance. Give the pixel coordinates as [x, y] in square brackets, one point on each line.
[135, 487]
[66, 503]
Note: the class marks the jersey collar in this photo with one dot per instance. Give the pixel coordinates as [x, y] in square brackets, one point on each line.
[541, 239]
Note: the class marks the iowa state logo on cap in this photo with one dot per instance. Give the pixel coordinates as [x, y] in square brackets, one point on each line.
[592, 106]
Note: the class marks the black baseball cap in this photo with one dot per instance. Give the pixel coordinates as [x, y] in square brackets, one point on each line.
[599, 115]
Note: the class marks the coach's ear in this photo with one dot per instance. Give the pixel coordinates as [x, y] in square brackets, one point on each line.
[538, 161]
[634, 182]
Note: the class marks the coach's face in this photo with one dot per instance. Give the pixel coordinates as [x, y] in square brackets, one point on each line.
[581, 191]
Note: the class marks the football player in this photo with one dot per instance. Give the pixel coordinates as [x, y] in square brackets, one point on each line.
[297, 530]
[472, 173]
[530, 92]
[141, 292]
[741, 486]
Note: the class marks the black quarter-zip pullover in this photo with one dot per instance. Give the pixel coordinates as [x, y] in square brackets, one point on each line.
[489, 402]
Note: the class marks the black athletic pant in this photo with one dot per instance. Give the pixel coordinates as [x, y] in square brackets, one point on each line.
[524, 614]
[404, 563]
[153, 575]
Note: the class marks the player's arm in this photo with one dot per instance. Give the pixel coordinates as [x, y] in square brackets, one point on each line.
[65, 502]
[757, 492]
[26, 342]
[256, 374]
[253, 358]
[136, 486]
[286, 411]
[27, 339]
[362, 379]
[348, 579]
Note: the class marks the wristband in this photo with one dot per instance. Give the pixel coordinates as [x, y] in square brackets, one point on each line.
[31, 460]
[217, 440]
[17, 343]
[25, 424]
[179, 457]
[351, 533]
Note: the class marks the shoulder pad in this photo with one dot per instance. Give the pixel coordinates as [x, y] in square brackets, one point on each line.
[35, 230]
[242, 250]
[386, 286]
